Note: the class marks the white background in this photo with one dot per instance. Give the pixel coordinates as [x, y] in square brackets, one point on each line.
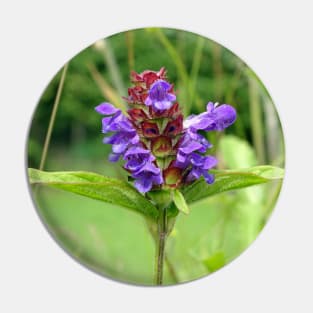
[274, 38]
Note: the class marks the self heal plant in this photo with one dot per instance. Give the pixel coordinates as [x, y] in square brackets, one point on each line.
[166, 156]
[163, 152]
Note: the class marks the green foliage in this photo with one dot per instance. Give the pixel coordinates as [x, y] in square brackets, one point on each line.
[97, 187]
[121, 193]
[230, 180]
[180, 202]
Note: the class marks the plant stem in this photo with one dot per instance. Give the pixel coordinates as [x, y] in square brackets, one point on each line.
[162, 232]
[52, 119]
[167, 261]
[171, 269]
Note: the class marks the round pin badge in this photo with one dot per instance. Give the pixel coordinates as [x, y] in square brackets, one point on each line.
[155, 156]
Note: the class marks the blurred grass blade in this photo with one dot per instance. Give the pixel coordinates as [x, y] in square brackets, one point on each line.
[108, 92]
[177, 60]
[97, 187]
[256, 117]
[130, 50]
[104, 46]
[180, 202]
[52, 118]
[217, 70]
[195, 67]
[226, 180]
[184, 85]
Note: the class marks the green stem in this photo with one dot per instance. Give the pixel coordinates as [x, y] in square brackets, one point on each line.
[167, 261]
[162, 232]
[52, 119]
[171, 269]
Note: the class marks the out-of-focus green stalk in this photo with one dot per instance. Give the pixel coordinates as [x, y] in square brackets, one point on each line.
[108, 92]
[256, 119]
[273, 132]
[231, 99]
[273, 192]
[130, 50]
[181, 45]
[104, 46]
[52, 118]
[217, 70]
[217, 76]
[195, 67]
[177, 60]
[184, 83]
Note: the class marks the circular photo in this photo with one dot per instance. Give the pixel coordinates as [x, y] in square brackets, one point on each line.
[155, 157]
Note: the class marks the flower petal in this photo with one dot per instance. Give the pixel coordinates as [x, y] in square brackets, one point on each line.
[143, 184]
[106, 108]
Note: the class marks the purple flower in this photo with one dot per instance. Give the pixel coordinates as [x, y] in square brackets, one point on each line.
[191, 142]
[159, 96]
[140, 163]
[193, 146]
[124, 133]
[125, 142]
[147, 176]
[190, 158]
[137, 157]
[200, 166]
[217, 117]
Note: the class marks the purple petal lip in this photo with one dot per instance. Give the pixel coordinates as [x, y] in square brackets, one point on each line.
[106, 108]
[145, 180]
[192, 146]
[215, 118]
[144, 184]
[136, 150]
[162, 105]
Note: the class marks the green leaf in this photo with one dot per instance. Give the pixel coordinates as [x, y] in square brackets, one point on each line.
[98, 187]
[232, 179]
[180, 202]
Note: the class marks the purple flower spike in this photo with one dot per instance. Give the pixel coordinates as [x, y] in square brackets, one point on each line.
[159, 148]
[159, 96]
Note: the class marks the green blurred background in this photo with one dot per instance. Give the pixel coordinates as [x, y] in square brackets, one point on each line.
[113, 241]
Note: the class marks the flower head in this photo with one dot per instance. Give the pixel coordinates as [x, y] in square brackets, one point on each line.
[159, 147]
[160, 96]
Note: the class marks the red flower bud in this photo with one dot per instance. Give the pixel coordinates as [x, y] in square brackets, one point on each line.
[174, 127]
[137, 115]
[150, 130]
